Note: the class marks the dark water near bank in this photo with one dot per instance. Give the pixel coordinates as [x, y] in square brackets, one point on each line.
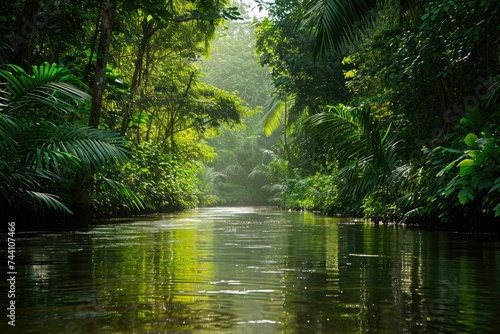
[253, 270]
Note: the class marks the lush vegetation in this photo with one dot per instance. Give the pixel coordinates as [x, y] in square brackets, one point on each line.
[380, 109]
[239, 171]
[102, 110]
[392, 105]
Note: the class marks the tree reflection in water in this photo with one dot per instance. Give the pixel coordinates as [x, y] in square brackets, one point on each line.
[255, 270]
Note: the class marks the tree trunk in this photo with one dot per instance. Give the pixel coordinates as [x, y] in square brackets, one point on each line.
[148, 30]
[145, 80]
[286, 146]
[83, 183]
[92, 48]
[170, 129]
[102, 60]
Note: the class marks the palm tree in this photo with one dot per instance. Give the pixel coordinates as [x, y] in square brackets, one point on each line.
[367, 153]
[279, 113]
[340, 22]
[206, 185]
[43, 144]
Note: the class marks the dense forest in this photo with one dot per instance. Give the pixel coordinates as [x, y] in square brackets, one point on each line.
[390, 108]
[103, 113]
[387, 110]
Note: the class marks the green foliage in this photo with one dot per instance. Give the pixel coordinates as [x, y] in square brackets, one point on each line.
[288, 55]
[50, 92]
[478, 179]
[455, 186]
[233, 64]
[412, 78]
[206, 179]
[358, 132]
[367, 154]
[402, 153]
[151, 95]
[338, 24]
[159, 179]
[213, 107]
[276, 114]
[315, 193]
[302, 88]
[375, 208]
[242, 163]
[41, 151]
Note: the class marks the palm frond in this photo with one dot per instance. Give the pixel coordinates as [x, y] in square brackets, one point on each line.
[259, 173]
[416, 212]
[8, 127]
[93, 147]
[69, 147]
[350, 130]
[368, 151]
[21, 186]
[233, 169]
[208, 175]
[32, 155]
[50, 88]
[492, 96]
[277, 191]
[363, 178]
[273, 116]
[49, 201]
[5, 52]
[40, 152]
[338, 23]
[126, 194]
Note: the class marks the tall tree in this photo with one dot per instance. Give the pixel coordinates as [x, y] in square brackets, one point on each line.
[154, 17]
[149, 27]
[108, 13]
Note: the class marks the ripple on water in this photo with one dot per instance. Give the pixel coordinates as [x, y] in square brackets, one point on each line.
[255, 270]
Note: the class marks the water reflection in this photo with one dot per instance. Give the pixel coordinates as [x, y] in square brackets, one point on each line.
[255, 270]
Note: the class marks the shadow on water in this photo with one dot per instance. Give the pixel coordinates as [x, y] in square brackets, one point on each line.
[254, 270]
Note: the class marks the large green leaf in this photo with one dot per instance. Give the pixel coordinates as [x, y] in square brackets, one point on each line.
[124, 192]
[40, 152]
[470, 140]
[51, 89]
[369, 158]
[340, 22]
[48, 201]
[93, 147]
[276, 110]
[466, 163]
[354, 132]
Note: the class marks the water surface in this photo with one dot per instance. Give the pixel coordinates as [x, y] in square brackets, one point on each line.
[254, 270]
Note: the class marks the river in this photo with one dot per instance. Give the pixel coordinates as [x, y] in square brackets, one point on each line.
[254, 270]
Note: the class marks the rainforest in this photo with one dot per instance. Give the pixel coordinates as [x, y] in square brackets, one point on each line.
[383, 110]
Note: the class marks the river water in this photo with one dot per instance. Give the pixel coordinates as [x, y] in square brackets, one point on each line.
[254, 270]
